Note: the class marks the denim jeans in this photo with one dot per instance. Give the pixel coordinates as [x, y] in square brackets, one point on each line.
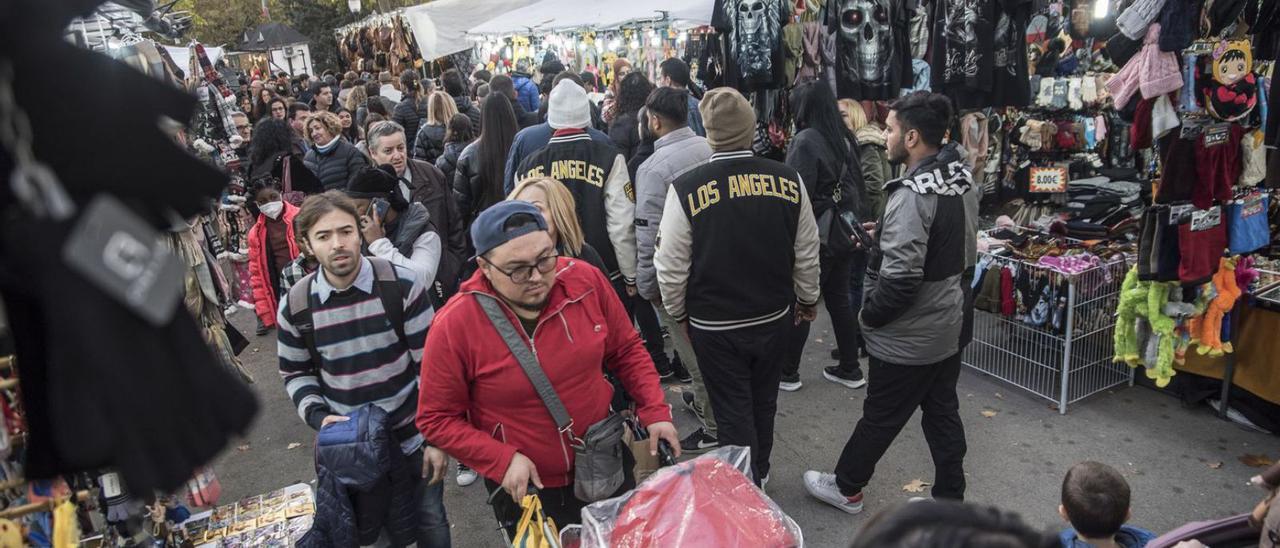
[844, 324]
[433, 523]
[857, 275]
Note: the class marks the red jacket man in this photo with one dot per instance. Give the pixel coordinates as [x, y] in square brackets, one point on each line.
[477, 404]
[263, 278]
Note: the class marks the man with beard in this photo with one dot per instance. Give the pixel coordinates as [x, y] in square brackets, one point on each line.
[912, 310]
[371, 317]
[479, 404]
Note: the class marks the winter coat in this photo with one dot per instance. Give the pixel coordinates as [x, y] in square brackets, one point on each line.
[526, 92]
[476, 403]
[429, 143]
[821, 169]
[429, 187]
[625, 133]
[409, 114]
[466, 183]
[912, 305]
[447, 163]
[411, 243]
[363, 484]
[673, 155]
[530, 140]
[874, 159]
[265, 300]
[465, 106]
[524, 118]
[336, 167]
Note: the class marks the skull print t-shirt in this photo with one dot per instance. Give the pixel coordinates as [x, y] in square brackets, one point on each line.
[873, 56]
[753, 41]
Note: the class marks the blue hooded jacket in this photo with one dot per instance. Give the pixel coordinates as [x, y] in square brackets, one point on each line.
[1129, 537]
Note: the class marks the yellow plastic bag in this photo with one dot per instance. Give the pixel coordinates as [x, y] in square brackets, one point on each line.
[535, 530]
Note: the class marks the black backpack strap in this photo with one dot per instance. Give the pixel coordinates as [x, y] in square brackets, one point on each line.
[300, 315]
[387, 285]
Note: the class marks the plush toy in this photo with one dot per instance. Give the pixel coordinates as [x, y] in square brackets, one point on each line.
[1181, 312]
[1160, 347]
[1246, 274]
[1231, 91]
[1126, 336]
[1211, 327]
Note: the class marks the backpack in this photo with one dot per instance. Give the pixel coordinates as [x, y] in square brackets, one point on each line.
[385, 284]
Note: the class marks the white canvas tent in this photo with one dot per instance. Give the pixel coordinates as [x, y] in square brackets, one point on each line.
[440, 27]
[562, 15]
[181, 55]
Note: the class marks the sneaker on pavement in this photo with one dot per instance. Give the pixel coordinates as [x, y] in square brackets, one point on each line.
[849, 379]
[691, 402]
[790, 383]
[262, 329]
[681, 372]
[823, 487]
[665, 374]
[466, 476]
[698, 442]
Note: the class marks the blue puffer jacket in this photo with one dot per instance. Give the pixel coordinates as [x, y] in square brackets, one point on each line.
[363, 483]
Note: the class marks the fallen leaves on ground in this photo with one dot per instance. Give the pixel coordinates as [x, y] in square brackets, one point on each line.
[916, 486]
[1214, 465]
[999, 396]
[294, 445]
[988, 413]
[1256, 461]
[242, 448]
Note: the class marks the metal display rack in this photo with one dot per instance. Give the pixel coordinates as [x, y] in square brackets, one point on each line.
[1061, 367]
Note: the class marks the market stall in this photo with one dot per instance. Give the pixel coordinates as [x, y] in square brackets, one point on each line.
[285, 49]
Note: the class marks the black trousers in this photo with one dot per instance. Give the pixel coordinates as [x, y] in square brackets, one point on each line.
[834, 279]
[641, 310]
[893, 394]
[558, 503]
[741, 368]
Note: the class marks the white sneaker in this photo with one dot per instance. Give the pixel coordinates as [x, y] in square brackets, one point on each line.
[789, 386]
[823, 487]
[466, 476]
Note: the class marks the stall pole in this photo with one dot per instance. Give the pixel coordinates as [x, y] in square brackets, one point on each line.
[1228, 375]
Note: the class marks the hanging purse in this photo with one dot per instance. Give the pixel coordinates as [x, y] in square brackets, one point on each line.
[286, 183]
[598, 461]
[535, 529]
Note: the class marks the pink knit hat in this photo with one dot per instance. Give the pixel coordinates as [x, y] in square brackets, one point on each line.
[1152, 71]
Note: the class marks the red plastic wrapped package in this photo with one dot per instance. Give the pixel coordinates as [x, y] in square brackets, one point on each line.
[707, 501]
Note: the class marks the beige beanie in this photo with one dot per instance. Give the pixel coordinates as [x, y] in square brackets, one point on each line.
[729, 119]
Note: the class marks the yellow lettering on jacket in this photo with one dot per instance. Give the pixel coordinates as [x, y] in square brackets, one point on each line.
[763, 185]
[706, 196]
[576, 170]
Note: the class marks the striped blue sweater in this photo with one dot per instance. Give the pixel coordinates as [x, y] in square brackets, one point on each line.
[363, 361]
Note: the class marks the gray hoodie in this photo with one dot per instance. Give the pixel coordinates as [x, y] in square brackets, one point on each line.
[912, 311]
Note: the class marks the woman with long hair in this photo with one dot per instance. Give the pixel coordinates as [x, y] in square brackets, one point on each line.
[411, 109]
[356, 99]
[820, 152]
[460, 135]
[556, 203]
[623, 131]
[872, 154]
[350, 131]
[429, 143]
[272, 138]
[482, 164]
[262, 104]
[621, 68]
[245, 102]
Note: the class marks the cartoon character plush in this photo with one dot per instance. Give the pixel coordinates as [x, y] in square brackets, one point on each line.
[1231, 91]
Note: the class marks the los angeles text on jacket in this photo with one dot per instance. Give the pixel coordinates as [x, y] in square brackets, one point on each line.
[597, 177]
[738, 243]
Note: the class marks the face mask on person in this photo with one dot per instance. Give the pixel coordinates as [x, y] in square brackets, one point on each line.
[272, 209]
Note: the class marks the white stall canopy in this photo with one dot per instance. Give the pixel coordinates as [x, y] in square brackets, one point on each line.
[181, 56]
[440, 27]
[562, 15]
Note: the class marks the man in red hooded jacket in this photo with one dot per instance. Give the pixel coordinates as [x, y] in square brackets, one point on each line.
[477, 404]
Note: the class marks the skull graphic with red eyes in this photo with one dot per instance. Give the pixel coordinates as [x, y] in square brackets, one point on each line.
[866, 38]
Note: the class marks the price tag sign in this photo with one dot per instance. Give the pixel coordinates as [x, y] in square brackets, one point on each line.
[1206, 219]
[1216, 134]
[1049, 179]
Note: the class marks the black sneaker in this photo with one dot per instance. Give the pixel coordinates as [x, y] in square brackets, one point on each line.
[852, 379]
[681, 372]
[790, 383]
[691, 402]
[664, 374]
[698, 442]
[262, 329]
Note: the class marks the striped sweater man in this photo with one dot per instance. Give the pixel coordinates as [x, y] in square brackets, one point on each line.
[363, 359]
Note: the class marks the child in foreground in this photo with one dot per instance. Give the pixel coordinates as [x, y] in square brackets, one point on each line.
[1095, 500]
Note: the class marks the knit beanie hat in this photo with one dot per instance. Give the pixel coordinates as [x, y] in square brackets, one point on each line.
[1177, 25]
[729, 119]
[1134, 21]
[373, 182]
[569, 107]
[1163, 117]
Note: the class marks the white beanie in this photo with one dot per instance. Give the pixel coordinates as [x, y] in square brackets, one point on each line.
[569, 108]
[1163, 118]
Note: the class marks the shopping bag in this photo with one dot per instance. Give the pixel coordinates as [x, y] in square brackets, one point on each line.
[646, 464]
[535, 530]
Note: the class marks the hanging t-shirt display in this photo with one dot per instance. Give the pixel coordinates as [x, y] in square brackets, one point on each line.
[873, 50]
[979, 52]
[753, 29]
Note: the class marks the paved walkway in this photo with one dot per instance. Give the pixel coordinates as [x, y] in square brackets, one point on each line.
[1170, 454]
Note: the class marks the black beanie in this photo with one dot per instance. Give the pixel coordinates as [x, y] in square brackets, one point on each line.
[1223, 13]
[373, 182]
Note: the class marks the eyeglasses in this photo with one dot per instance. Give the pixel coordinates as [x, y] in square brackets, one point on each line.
[242, 128]
[521, 274]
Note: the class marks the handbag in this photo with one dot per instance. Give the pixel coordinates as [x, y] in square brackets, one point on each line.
[535, 529]
[290, 195]
[598, 461]
[834, 236]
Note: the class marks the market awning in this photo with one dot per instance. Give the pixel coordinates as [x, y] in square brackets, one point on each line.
[181, 55]
[440, 27]
[561, 15]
